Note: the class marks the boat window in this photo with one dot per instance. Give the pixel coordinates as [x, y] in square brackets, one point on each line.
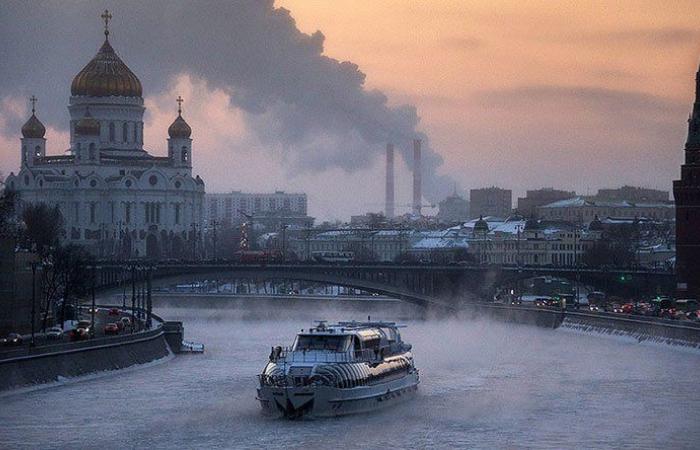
[329, 343]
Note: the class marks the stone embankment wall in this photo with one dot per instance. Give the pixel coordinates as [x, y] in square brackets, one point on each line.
[51, 363]
[672, 332]
[640, 328]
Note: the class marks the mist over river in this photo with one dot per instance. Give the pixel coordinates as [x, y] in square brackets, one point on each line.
[484, 385]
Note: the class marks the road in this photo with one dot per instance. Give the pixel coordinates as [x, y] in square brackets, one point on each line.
[102, 318]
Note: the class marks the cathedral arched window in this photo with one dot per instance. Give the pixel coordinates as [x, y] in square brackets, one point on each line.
[125, 132]
[25, 155]
[185, 155]
[37, 151]
[111, 131]
[136, 137]
[92, 151]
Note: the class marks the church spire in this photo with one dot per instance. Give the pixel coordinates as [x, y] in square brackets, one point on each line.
[693, 143]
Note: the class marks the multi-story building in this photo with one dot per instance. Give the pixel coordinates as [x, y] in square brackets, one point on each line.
[453, 209]
[533, 199]
[529, 243]
[492, 201]
[579, 209]
[270, 210]
[632, 194]
[365, 244]
[116, 198]
[686, 192]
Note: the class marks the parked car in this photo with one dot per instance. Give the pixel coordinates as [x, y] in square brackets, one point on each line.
[115, 312]
[54, 333]
[628, 308]
[593, 308]
[13, 339]
[111, 328]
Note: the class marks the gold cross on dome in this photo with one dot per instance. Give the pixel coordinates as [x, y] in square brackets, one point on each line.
[106, 16]
[33, 100]
[179, 104]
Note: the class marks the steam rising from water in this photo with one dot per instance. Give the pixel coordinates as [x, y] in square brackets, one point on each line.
[484, 384]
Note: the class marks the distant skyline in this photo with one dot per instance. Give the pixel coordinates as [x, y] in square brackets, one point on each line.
[577, 96]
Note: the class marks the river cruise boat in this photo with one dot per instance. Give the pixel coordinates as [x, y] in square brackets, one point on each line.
[338, 369]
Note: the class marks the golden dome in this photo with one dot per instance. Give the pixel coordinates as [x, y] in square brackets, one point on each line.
[33, 128]
[87, 126]
[106, 75]
[179, 128]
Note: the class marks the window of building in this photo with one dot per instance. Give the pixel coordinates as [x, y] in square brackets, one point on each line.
[135, 134]
[177, 214]
[111, 132]
[76, 212]
[93, 207]
[37, 151]
[92, 151]
[125, 132]
[185, 156]
[127, 213]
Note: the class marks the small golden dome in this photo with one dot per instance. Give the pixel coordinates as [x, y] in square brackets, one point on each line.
[179, 128]
[33, 128]
[106, 75]
[87, 126]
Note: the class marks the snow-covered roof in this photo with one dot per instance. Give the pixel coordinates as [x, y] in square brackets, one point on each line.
[577, 202]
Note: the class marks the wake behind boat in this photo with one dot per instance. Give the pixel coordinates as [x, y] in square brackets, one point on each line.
[338, 369]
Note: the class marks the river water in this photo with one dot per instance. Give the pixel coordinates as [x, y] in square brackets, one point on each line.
[484, 385]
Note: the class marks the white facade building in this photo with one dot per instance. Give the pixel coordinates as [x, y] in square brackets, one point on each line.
[116, 198]
[230, 207]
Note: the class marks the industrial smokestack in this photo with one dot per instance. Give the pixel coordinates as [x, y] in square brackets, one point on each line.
[417, 190]
[389, 199]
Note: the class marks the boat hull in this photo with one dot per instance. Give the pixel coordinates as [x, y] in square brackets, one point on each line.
[325, 401]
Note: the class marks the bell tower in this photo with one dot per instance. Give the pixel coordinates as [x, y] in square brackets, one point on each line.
[179, 142]
[686, 193]
[33, 141]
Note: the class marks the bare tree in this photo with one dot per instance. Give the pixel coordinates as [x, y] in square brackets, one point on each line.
[43, 226]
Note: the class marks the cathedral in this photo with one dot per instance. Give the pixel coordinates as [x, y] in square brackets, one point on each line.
[117, 200]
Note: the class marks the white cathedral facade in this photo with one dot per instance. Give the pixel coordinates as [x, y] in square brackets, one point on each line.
[117, 200]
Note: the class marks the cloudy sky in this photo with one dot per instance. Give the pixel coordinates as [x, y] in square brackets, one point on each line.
[302, 95]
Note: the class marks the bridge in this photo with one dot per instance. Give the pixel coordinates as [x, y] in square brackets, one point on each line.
[442, 286]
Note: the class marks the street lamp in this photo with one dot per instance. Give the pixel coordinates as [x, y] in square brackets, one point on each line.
[284, 242]
[31, 344]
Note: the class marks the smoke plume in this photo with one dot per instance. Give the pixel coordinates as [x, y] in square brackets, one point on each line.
[314, 109]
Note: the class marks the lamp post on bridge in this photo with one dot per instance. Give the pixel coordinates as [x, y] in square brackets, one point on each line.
[31, 343]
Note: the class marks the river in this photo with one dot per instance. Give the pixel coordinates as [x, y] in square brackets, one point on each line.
[484, 385]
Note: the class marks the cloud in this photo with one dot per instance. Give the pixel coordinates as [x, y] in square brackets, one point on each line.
[601, 100]
[646, 37]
